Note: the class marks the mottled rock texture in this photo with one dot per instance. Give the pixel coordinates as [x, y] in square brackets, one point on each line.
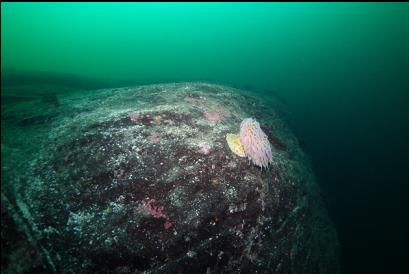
[141, 179]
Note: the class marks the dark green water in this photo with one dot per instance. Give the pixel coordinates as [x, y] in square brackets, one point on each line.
[341, 69]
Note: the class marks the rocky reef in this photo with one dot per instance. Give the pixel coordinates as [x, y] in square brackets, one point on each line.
[142, 180]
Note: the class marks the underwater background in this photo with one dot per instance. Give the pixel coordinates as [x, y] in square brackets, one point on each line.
[341, 70]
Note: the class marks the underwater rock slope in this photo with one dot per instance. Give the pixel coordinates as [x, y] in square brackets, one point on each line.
[142, 179]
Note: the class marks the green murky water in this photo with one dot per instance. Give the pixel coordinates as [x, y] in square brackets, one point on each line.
[341, 70]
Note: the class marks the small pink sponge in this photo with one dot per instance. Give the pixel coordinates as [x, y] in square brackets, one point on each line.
[255, 142]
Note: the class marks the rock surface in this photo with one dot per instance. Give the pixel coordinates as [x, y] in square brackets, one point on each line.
[141, 179]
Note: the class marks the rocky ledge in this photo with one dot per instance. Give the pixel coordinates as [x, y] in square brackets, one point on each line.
[141, 179]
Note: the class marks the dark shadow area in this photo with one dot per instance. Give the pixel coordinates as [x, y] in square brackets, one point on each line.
[361, 163]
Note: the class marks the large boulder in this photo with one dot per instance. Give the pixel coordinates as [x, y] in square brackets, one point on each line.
[141, 179]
